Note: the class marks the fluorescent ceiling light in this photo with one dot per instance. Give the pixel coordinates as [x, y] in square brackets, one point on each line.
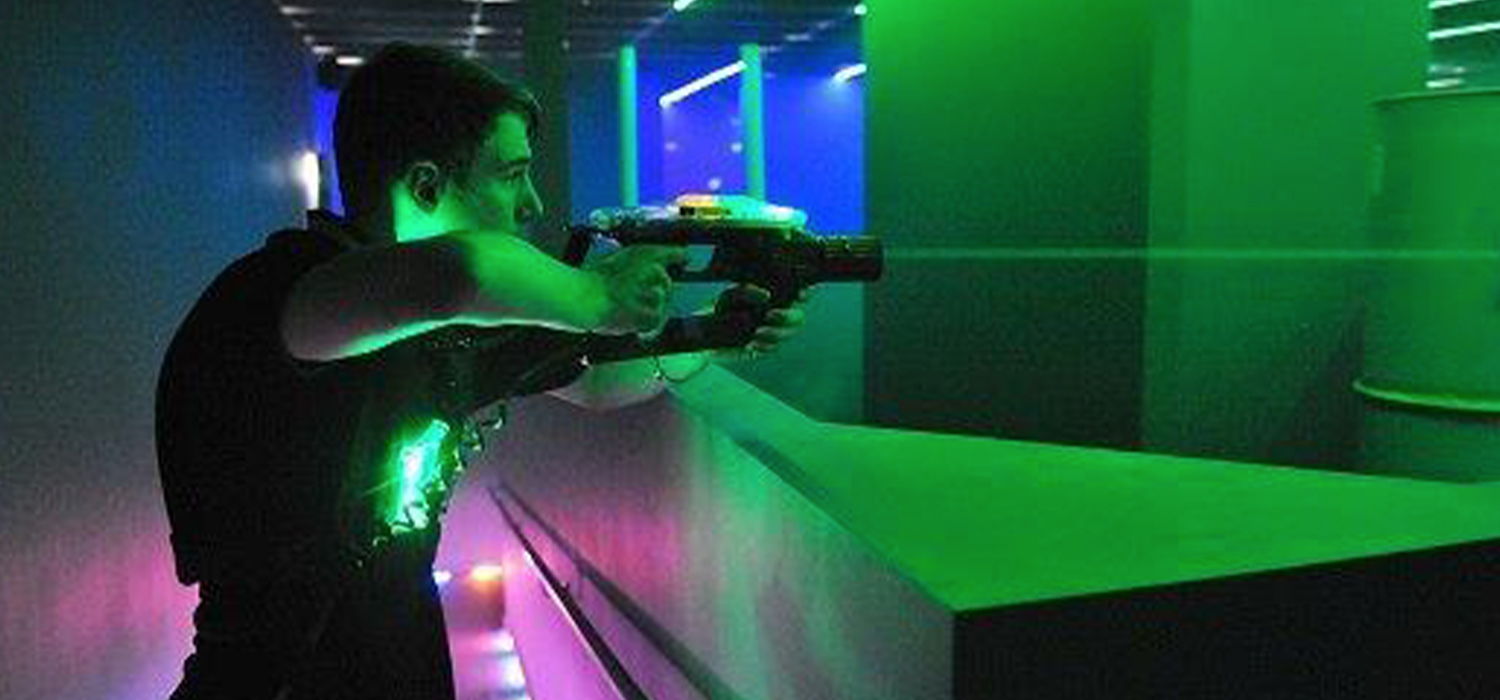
[861, 10]
[350, 60]
[849, 73]
[1440, 83]
[1440, 4]
[322, 50]
[678, 95]
[1469, 30]
[681, 5]
[310, 176]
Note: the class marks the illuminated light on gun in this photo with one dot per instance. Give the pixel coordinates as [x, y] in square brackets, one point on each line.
[420, 463]
[697, 207]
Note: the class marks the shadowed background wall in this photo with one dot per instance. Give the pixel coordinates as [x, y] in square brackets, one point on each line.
[147, 143]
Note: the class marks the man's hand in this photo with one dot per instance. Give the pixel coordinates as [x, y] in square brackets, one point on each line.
[781, 325]
[634, 287]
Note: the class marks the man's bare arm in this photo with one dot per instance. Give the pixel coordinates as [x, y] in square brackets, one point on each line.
[369, 298]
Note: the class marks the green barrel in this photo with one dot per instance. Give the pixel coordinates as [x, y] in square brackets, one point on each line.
[1431, 372]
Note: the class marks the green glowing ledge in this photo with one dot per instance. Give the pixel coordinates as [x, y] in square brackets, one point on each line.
[980, 522]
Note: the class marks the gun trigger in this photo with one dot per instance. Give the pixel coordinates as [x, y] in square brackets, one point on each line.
[738, 299]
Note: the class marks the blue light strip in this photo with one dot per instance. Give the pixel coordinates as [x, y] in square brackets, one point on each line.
[678, 95]
[849, 73]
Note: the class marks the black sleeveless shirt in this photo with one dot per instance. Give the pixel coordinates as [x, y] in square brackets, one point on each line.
[265, 462]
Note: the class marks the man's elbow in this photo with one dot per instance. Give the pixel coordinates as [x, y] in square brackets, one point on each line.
[304, 338]
[615, 403]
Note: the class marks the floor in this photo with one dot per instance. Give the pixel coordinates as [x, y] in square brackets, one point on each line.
[485, 663]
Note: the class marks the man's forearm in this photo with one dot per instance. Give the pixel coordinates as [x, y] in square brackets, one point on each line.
[510, 281]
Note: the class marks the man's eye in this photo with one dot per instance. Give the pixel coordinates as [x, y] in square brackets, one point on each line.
[514, 176]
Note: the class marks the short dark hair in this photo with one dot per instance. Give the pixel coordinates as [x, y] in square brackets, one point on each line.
[411, 103]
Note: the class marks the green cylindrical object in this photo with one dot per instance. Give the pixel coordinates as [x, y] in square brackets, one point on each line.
[630, 187]
[752, 114]
[1432, 325]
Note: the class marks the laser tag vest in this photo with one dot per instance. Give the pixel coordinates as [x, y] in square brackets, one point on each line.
[264, 457]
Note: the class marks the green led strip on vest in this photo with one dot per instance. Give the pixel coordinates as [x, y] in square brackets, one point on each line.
[419, 471]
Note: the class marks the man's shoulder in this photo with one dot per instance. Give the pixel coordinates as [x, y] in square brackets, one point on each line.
[251, 288]
[297, 248]
[284, 256]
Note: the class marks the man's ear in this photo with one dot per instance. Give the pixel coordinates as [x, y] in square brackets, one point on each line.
[424, 180]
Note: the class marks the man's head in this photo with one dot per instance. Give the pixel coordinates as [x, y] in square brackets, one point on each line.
[427, 141]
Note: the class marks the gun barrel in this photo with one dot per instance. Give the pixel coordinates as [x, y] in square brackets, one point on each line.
[851, 259]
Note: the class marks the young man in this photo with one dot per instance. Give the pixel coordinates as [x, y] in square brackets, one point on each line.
[306, 365]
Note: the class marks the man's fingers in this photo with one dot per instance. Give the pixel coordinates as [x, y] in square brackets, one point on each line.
[749, 291]
[659, 276]
[670, 254]
[766, 335]
[652, 296]
[786, 317]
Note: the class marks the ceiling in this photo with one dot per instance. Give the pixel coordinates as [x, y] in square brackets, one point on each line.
[709, 30]
[1465, 43]
[492, 30]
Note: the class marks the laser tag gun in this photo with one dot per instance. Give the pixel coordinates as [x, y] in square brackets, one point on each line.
[754, 243]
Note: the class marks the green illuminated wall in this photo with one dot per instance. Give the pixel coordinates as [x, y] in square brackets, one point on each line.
[1006, 141]
[1128, 223]
[1262, 133]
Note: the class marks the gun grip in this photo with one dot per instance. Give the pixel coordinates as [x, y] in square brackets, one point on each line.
[737, 300]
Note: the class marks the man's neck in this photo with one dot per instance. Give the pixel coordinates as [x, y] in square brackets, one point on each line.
[370, 229]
